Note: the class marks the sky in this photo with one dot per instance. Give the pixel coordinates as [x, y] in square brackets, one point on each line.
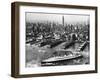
[68, 18]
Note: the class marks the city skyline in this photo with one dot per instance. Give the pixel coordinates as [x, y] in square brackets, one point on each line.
[57, 18]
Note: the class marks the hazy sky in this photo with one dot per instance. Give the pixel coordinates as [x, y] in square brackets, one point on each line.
[40, 17]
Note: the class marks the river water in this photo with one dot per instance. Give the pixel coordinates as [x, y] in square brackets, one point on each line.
[84, 60]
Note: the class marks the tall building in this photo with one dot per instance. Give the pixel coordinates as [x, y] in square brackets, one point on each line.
[63, 20]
